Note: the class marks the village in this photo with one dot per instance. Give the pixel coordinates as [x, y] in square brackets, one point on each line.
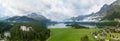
[107, 34]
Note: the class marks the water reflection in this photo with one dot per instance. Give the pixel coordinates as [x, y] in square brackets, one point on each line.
[59, 25]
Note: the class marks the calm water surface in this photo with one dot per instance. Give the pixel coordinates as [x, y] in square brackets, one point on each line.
[62, 25]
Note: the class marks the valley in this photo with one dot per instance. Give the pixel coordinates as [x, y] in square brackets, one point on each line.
[69, 34]
[60, 20]
[93, 34]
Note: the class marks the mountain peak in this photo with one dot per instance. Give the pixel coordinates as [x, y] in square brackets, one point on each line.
[36, 16]
[116, 2]
[20, 19]
[32, 14]
[105, 6]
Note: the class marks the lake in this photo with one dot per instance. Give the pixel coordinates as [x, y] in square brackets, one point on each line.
[62, 25]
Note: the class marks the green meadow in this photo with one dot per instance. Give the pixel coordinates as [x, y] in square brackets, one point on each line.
[69, 34]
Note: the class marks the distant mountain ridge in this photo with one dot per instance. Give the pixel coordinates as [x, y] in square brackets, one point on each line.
[33, 17]
[92, 16]
[112, 12]
[38, 17]
[20, 19]
[107, 12]
[116, 2]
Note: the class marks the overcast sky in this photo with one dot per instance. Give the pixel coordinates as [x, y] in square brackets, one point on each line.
[52, 9]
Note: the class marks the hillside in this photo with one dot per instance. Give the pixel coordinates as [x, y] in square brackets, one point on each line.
[23, 31]
[23, 28]
[113, 11]
[107, 12]
[93, 16]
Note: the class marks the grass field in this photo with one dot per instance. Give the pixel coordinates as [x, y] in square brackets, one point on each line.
[69, 34]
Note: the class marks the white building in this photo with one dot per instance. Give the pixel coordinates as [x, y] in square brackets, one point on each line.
[7, 34]
[24, 28]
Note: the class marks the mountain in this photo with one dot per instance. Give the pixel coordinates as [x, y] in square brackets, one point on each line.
[38, 17]
[20, 19]
[91, 17]
[98, 15]
[104, 8]
[3, 17]
[112, 12]
[116, 2]
[30, 27]
[78, 18]
[107, 12]
[28, 18]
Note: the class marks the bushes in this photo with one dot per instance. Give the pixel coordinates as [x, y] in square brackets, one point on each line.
[85, 38]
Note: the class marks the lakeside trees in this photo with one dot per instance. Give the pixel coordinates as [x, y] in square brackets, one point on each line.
[77, 26]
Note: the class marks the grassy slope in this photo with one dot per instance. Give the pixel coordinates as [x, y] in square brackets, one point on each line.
[69, 34]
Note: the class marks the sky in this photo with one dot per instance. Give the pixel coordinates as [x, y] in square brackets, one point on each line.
[55, 10]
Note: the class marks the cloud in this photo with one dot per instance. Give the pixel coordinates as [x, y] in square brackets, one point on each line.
[52, 9]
